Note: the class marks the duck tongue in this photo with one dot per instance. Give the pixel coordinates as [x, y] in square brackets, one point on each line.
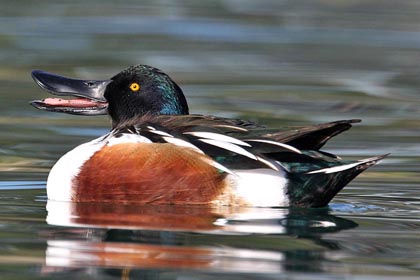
[74, 103]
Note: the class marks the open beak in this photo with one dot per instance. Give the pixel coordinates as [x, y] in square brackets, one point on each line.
[89, 94]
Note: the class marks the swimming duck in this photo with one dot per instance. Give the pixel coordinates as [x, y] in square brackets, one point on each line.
[158, 153]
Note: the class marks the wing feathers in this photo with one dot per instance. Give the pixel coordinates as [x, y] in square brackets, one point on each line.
[227, 140]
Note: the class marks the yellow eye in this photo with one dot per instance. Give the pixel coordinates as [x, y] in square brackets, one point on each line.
[135, 87]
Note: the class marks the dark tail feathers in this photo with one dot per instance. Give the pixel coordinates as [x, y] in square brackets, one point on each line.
[318, 187]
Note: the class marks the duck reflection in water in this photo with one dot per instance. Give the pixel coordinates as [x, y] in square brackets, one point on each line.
[133, 240]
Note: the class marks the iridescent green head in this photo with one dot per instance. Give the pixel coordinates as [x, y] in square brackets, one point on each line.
[143, 89]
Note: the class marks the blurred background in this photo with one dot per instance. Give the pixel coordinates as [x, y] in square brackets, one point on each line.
[280, 63]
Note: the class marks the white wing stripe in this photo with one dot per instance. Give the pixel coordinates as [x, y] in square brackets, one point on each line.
[231, 126]
[182, 143]
[269, 164]
[218, 137]
[288, 147]
[345, 166]
[230, 147]
[158, 132]
[334, 169]
[338, 168]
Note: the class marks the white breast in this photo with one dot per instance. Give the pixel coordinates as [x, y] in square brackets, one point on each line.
[59, 185]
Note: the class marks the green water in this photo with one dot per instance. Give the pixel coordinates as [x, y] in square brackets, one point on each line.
[276, 62]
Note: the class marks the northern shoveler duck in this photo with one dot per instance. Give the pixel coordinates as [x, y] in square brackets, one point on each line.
[157, 153]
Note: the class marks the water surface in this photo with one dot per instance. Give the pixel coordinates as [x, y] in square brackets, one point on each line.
[280, 63]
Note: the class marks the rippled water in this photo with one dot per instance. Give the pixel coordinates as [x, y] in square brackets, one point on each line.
[276, 62]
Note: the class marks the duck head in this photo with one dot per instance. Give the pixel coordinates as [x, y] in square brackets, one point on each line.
[135, 91]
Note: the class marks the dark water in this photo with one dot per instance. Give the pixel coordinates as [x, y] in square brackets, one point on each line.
[275, 62]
